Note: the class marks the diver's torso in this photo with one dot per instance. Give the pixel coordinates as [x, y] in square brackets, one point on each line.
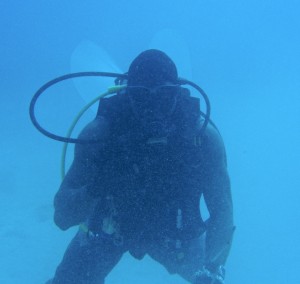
[152, 182]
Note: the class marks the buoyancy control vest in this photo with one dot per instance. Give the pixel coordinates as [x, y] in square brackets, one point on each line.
[155, 182]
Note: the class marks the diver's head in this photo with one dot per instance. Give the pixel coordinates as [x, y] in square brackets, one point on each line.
[152, 89]
[152, 68]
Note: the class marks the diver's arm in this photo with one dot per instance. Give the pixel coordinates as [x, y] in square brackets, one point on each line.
[217, 195]
[73, 203]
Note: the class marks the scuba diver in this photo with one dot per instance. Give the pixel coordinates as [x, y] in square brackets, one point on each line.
[137, 187]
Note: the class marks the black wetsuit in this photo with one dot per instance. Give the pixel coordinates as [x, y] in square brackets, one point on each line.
[149, 188]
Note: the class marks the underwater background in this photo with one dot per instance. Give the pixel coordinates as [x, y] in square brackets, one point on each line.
[244, 54]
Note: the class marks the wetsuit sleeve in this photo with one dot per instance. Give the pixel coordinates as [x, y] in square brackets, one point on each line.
[217, 196]
[73, 203]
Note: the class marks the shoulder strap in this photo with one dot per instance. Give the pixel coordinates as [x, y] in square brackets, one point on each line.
[188, 108]
[112, 106]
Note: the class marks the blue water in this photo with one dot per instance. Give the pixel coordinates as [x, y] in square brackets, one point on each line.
[245, 55]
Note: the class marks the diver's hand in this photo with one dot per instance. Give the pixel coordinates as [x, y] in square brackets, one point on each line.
[204, 276]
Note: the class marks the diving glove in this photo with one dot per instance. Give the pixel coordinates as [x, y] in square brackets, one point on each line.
[204, 276]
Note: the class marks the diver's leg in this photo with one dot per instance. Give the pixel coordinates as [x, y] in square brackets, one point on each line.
[184, 258]
[88, 260]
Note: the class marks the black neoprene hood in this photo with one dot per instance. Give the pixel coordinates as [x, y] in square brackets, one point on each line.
[152, 68]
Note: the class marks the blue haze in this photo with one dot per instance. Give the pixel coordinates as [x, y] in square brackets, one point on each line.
[245, 55]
